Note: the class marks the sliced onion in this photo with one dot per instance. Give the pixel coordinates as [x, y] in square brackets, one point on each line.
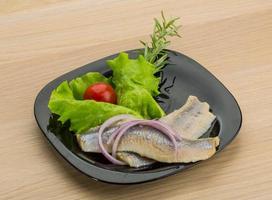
[155, 124]
[106, 124]
[117, 134]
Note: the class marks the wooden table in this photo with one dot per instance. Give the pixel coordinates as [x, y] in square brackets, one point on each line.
[40, 40]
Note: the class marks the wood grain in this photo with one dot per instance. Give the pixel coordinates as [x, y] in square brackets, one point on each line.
[40, 40]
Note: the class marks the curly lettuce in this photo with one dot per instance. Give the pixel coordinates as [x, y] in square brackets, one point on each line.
[66, 101]
[136, 85]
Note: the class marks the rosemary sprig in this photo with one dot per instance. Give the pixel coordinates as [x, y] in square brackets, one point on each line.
[155, 52]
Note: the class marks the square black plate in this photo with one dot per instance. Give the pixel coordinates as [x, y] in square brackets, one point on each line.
[190, 79]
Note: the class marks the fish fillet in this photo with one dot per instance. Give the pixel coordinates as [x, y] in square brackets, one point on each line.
[192, 120]
[89, 143]
[151, 143]
[134, 160]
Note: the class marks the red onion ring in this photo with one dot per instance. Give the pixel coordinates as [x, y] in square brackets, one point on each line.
[117, 134]
[100, 142]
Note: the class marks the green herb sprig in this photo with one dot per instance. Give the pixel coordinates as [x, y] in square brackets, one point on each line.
[155, 52]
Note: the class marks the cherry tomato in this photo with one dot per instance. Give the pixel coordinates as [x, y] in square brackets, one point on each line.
[100, 92]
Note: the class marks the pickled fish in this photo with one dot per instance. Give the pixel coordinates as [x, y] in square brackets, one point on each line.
[143, 145]
[192, 120]
[151, 143]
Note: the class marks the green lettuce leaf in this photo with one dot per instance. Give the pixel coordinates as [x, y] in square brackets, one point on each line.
[83, 114]
[141, 101]
[135, 85]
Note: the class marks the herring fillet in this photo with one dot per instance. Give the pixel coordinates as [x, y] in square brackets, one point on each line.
[192, 120]
[89, 143]
[134, 159]
[151, 143]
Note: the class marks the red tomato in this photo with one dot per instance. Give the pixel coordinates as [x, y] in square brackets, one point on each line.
[100, 92]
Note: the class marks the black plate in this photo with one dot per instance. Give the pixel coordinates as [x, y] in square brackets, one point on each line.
[191, 79]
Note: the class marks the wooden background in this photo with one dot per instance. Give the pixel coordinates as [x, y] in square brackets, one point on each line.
[40, 40]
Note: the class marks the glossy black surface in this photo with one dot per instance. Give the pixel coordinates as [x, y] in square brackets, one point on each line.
[186, 77]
